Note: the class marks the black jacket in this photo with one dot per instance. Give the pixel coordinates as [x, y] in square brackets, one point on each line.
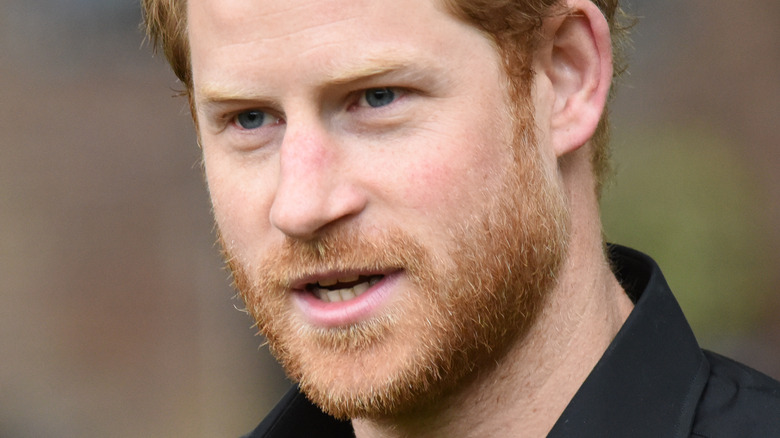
[653, 381]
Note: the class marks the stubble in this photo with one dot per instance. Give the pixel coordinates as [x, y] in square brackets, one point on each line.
[461, 309]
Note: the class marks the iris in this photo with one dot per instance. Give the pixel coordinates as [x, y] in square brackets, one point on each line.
[377, 97]
[252, 119]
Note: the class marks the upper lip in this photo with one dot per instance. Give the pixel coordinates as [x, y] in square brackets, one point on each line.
[301, 283]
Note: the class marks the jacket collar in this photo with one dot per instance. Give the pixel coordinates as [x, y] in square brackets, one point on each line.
[650, 378]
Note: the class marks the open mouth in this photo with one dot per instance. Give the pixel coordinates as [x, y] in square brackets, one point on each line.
[334, 290]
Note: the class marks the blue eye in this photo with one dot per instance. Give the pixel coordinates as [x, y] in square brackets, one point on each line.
[251, 119]
[377, 97]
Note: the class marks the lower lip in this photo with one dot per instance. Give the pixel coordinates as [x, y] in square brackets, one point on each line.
[344, 313]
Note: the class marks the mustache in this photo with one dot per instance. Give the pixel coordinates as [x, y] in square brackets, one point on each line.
[342, 250]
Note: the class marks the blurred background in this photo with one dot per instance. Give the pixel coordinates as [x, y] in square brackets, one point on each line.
[116, 317]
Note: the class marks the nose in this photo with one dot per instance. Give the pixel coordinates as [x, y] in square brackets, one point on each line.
[314, 186]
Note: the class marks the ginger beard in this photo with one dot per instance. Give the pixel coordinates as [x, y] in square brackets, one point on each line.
[458, 311]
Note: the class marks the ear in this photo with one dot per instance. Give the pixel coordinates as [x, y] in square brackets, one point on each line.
[574, 64]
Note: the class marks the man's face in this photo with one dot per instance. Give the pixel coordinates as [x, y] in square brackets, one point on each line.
[384, 221]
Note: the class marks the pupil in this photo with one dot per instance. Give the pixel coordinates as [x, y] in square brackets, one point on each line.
[379, 97]
[251, 119]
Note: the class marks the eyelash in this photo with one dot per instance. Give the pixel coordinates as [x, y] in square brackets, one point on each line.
[359, 102]
[234, 119]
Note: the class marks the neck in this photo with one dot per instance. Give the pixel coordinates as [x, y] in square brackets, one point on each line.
[529, 387]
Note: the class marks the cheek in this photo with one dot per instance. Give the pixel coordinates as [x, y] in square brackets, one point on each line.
[448, 179]
[425, 182]
[240, 203]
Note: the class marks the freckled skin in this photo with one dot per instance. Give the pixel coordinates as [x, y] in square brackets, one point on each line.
[427, 184]
[487, 226]
[314, 161]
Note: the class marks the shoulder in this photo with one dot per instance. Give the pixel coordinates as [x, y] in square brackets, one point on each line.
[737, 401]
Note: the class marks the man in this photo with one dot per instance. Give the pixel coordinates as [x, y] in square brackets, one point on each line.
[407, 196]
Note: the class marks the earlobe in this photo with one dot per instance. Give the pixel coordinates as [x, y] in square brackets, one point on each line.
[577, 63]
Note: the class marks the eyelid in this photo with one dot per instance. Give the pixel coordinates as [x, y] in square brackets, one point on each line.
[221, 112]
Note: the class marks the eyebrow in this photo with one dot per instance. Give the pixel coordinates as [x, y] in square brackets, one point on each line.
[211, 94]
[366, 69]
[216, 93]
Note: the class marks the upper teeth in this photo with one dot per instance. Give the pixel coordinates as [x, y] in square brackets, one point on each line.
[343, 294]
[332, 281]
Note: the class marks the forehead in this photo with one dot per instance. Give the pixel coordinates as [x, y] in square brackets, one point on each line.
[274, 19]
[305, 36]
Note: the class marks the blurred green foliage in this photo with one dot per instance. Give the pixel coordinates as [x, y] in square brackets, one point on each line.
[685, 196]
